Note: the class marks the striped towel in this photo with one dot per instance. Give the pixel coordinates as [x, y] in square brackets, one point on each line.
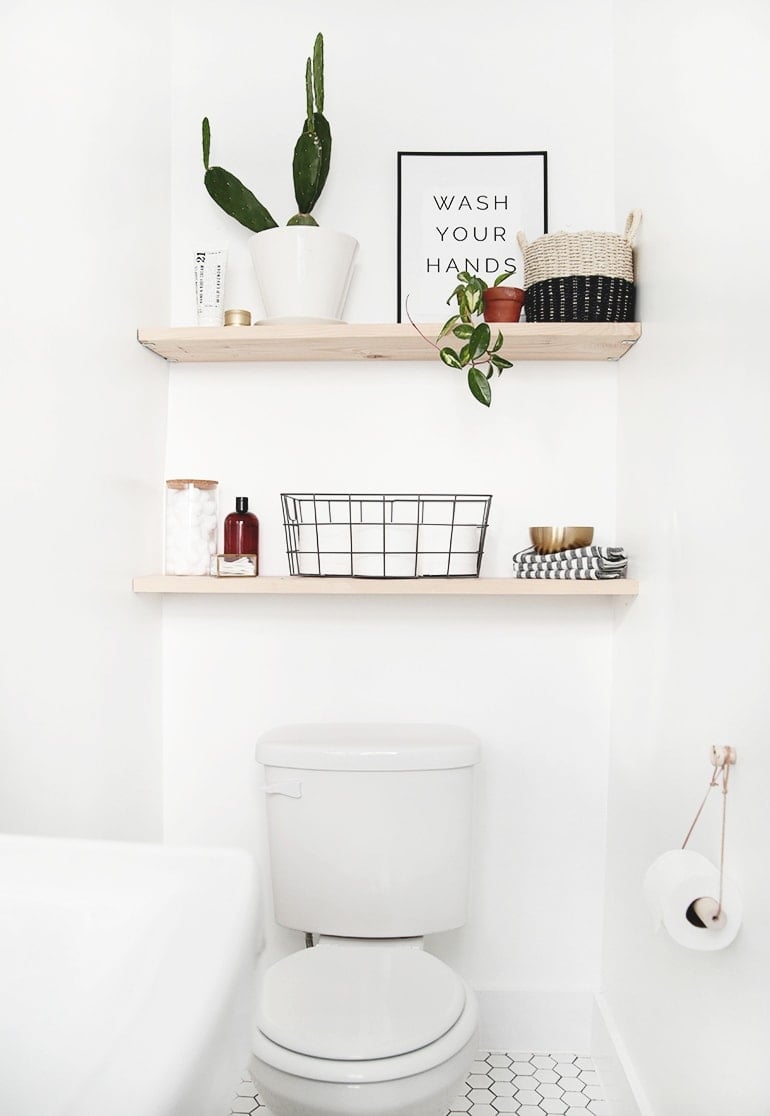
[585, 563]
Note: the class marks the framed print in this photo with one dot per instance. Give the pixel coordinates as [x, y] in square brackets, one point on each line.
[461, 211]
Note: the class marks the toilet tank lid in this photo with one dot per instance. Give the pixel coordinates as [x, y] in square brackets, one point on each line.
[368, 747]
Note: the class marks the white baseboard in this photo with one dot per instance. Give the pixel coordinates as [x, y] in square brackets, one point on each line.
[622, 1088]
[536, 1019]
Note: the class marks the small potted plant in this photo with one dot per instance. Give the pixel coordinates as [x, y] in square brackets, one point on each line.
[303, 271]
[478, 353]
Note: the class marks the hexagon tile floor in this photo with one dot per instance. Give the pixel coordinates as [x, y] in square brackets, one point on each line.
[524, 1084]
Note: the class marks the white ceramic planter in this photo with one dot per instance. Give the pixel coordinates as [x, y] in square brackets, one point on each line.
[303, 272]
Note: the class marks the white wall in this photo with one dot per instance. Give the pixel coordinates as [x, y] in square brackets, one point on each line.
[85, 191]
[532, 677]
[692, 657]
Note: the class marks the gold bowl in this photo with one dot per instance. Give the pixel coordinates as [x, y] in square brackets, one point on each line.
[549, 540]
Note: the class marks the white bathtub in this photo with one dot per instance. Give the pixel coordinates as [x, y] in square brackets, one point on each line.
[126, 978]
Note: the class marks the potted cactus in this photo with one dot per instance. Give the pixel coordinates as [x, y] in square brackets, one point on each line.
[303, 271]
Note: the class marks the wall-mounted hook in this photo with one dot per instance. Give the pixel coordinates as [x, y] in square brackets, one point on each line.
[723, 757]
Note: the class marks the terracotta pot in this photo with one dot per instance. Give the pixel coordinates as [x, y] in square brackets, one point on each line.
[503, 304]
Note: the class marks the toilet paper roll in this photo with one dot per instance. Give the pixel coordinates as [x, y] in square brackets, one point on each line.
[673, 886]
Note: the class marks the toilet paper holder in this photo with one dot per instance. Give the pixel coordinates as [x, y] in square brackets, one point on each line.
[707, 911]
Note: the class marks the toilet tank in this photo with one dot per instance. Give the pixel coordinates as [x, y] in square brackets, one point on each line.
[369, 827]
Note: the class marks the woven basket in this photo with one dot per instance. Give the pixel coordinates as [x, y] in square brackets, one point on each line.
[581, 277]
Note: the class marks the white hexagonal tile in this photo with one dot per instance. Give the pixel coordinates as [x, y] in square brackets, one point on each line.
[247, 1089]
[526, 1082]
[243, 1105]
[548, 1077]
[528, 1096]
[499, 1074]
[584, 1063]
[542, 1061]
[502, 1061]
[481, 1096]
[566, 1069]
[505, 1104]
[550, 1090]
[478, 1067]
[593, 1092]
[557, 1107]
[562, 1057]
[503, 1088]
[483, 1110]
[530, 1110]
[478, 1081]
[521, 1069]
[589, 1077]
[574, 1100]
[597, 1108]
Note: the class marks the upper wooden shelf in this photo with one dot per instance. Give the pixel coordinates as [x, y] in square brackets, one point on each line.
[353, 341]
[378, 587]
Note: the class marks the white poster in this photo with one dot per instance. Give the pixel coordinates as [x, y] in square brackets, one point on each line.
[461, 212]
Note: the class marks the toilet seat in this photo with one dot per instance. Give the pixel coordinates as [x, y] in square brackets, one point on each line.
[342, 1072]
[318, 1002]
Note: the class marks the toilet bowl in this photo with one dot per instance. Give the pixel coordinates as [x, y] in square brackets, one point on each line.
[369, 837]
[363, 1028]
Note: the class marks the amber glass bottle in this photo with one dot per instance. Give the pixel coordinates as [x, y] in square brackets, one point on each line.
[242, 530]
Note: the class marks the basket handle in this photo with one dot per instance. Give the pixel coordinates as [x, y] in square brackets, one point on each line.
[633, 221]
[523, 242]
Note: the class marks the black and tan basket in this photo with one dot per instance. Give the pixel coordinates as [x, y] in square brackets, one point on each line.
[582, 276]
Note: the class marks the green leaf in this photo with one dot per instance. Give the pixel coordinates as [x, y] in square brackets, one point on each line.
[503, 276]
[463, 331]
[308, 96]
[307, 171]
[464, 276]
[318, 71]
[465, 355]
[498, 343]
[479, 386]
[455, 293]
[206, 141]
[237, 200]
[448, 326]
[500, 362]
[473, 300]
[323, 135]
[450, 358]
[479, 340]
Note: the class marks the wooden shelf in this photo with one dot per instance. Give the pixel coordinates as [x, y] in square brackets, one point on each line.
[523, 341]
[411, 587]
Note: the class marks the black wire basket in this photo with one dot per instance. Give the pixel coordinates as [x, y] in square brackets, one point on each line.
[384, 535]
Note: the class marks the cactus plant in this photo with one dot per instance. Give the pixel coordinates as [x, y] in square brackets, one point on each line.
[310, 166]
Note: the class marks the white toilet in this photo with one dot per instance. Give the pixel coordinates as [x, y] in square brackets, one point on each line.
[369, 829]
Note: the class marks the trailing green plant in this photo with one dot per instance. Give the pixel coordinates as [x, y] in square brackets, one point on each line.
[310, 165]
[478, 353]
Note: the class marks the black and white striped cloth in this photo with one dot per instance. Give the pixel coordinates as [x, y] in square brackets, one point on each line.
[585, 563]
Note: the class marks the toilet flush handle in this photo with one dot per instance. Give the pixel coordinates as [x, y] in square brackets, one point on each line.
[292, 788]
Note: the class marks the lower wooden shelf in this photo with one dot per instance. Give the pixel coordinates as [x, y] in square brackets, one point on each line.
[386, 587]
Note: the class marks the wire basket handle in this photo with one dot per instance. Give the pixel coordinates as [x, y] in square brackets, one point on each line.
[523, 242]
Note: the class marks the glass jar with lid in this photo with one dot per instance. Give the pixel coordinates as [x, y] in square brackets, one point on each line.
[191, 526]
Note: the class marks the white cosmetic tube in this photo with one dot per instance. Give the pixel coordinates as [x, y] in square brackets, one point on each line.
[210, 287]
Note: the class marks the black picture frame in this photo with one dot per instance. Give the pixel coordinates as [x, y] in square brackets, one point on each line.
[422, 180]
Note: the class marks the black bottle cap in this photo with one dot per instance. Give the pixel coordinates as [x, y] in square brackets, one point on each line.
[241, 503]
